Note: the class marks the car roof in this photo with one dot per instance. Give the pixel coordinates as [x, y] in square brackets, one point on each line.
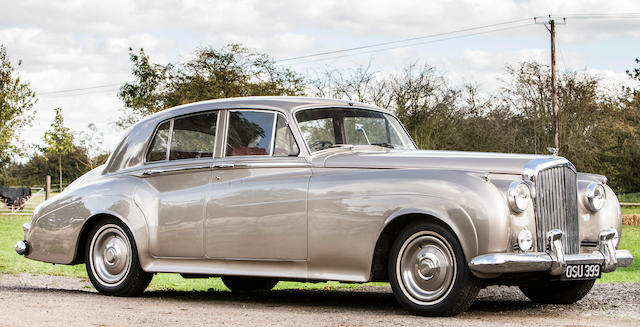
[128, 152]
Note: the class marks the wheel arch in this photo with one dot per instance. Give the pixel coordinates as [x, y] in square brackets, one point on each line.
[463, 229]
[94, 219]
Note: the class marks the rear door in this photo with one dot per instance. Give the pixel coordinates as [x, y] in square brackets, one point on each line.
[257, 203]
[178, 169]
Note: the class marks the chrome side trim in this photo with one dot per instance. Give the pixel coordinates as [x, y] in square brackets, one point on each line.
[156, 171]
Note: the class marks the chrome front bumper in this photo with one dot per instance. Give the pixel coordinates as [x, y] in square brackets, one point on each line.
[554, 260]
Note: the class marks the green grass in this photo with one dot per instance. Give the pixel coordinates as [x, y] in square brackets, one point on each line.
[12, 263]
[630, 198]
[630, 210]
[630, 240]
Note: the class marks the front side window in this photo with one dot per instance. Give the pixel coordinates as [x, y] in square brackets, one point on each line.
[285, 144]
[188, 137]
[250, 133]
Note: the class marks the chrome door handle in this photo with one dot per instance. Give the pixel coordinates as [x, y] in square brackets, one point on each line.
[223, 165]
[151, 172]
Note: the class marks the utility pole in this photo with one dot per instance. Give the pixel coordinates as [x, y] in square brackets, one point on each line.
[554, 85]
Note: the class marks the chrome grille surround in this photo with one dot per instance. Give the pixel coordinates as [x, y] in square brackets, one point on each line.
[555, 199]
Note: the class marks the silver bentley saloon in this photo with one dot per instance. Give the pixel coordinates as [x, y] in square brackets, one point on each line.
[262, 189]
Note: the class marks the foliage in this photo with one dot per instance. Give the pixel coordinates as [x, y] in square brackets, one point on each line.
[91, 143]
[58, 140]
[635, 73]
[16, 107]
[599, 129]
[34, 171]
[232, 71]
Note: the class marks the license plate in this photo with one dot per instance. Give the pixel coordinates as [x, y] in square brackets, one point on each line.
[582, 271]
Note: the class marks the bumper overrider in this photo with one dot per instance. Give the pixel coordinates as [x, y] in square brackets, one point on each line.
[554, 260]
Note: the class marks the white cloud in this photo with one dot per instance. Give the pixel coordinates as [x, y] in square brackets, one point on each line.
[74, 44]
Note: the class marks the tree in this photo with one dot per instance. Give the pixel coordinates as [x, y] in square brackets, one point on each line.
[16, 107]
[58, 140]
[232, 71]
[91, 143]
[635, 73]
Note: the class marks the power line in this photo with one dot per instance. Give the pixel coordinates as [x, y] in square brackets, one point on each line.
[348, 50]
[404, 40]
[382, 44]
[413, 44]
[58, 95]
[80, 89]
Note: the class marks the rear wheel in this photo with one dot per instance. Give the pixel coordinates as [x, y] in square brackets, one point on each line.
[428, 272]
[559, 292]
[111, 259]
[248, 284]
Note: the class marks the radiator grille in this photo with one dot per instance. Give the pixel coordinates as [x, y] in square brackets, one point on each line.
[557, 206]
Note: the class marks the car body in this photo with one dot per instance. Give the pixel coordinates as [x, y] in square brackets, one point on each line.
[261, 189]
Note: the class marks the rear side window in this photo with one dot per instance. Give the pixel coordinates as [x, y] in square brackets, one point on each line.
[250, 133]
[193, 137]
[186, 138]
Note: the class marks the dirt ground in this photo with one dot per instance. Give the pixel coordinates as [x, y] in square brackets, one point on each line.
[37, 300]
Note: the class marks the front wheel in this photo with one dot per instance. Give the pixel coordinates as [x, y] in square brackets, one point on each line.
[111, 259]
[559, 292]
[428, 272]
[248, 284]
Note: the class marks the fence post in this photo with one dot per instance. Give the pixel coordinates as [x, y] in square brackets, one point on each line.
[47, 191]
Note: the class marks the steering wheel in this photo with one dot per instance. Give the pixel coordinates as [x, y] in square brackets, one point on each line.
[324, 143]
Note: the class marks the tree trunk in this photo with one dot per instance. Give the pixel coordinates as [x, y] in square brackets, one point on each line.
[60, 170]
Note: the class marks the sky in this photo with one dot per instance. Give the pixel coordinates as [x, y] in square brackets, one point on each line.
[75, 44]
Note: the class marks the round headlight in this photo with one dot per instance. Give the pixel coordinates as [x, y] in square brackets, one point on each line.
[519, 196]
[596, 196]
[525, 240]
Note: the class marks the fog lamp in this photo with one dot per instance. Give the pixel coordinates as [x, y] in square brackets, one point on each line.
[525, 240]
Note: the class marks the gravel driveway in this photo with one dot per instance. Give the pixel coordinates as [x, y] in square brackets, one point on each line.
[37, 300]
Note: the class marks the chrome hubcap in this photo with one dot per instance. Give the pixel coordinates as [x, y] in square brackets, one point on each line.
[426, 268]
[110, 255]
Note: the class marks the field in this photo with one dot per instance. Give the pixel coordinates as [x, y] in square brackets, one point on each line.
[630, 198]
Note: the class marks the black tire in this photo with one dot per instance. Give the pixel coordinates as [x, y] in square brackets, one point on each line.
[248, 284]
[120, 274]
[558, 292]
[428, 272]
